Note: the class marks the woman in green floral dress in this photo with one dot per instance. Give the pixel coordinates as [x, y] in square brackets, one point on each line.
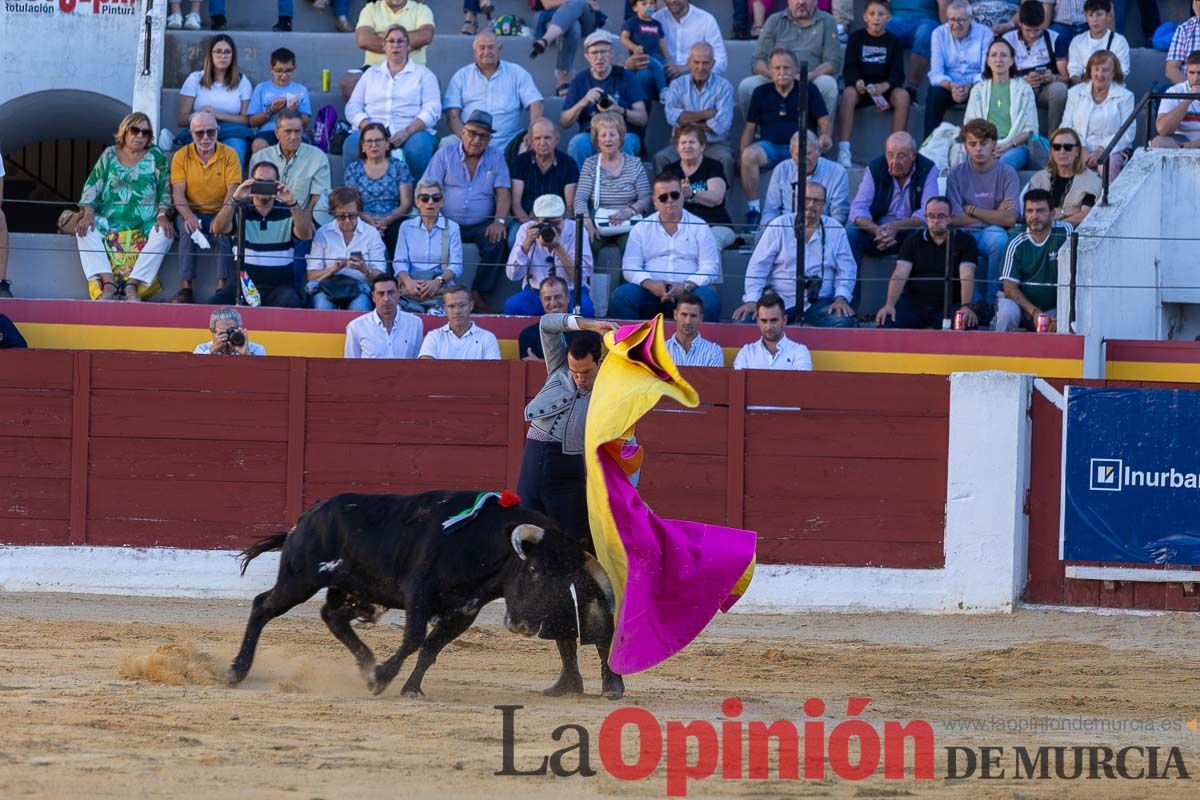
[126, 203]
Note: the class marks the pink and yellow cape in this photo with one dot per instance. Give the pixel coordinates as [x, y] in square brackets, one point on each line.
[670, 577]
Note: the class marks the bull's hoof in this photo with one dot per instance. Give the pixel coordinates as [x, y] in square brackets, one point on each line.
[233, 677]
[375, 685]
[565, 685]
[367, 670]
[412, 691]
[614, 690]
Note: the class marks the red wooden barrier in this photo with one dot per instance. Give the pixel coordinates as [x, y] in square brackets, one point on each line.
[161, 449]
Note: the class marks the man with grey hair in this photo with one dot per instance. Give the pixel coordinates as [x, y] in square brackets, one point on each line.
[890, 203]
[812, 36]
[958, 50]
[703, 98]
[781, 191]
[229, 337]
[498, 87]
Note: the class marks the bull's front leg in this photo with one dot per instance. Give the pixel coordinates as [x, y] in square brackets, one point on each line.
[416, 622]
[570, 681]
[445, 630]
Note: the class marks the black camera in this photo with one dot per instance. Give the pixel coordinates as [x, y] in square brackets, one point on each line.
[547, 231]
[605, 101]
[236, 337]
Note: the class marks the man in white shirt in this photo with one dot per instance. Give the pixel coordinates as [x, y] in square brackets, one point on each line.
[386, 332]
[229, 336]
[669, 253]
[1178, 122]
[501, 88]
[703, 98]
[686, 346]
[545, 246]
[829, 266]
[773, 349]
[684, 26]
[460, 338]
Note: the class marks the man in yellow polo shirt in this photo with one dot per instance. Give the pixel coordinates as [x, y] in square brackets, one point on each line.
[203, 177]
[373, 22]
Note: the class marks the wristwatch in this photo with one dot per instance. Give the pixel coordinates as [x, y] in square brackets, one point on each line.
[502, 220]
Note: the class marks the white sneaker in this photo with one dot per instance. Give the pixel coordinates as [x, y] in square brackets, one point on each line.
[166, 141]
[191, 22]
[844, 159]
[174, 21]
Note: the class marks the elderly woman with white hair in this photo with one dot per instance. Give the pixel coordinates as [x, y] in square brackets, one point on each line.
[958, 50]
[545, 246]
[429, 251]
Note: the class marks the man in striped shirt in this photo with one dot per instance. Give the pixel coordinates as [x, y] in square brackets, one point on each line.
[687, 347]
[1178, 123]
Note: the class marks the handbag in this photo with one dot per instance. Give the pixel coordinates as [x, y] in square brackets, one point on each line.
[600, 215]
[340, 288]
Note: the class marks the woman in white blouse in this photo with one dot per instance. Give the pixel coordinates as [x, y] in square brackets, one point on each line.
[1097, 107]
[1007, 103]
[221, 89]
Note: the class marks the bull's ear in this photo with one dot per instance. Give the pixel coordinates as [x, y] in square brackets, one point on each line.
[526, 534]
[596, 572]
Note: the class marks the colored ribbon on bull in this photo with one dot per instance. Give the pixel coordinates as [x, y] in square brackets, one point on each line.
[505, 499]
[669, 577]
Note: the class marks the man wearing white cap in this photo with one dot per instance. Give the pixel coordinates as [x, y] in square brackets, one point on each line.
[545, 246]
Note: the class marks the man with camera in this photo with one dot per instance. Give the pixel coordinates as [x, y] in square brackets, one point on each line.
[274, 223]
[546, 247]
[229, 337]
[602, 87]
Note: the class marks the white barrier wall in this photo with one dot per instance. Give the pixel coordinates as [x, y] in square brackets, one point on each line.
[985, 537]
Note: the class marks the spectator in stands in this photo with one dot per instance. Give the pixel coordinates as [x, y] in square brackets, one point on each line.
[553, 296]
[384, 182]
[5, 286]
[1069, 19]
[428, 251]
[1099, 36]
[1184, 42]
[573, 21]
[501, 88]
[302, 166]
[1178, 123]
[271, 97]
[773, 349]
[601, 88]
[128, 189]
[216, 16]
[811, 37]
[460, 338]
[10, 337]
[998, 16]
[829, 267]
[781, 191]
[669, 253]
[386, 332]
[916, 293]
[703, 183]
[1041, 60]
[1030, 276]
[643, 37]
[613, 182]
[542, 169]
[958, 52]
[274, 223]
[478, 196]
[176, 20]
[546, 247]
[222, 90]
[700, 98]
[471, 10]
[889, 204]
[346, 255]
[1097, 108]
[226, 324]
[1073, 187]
[983, 197]
[873, 71]
[685, 26]
[370, 33]
[203, 177]
[1008, 104]
[774, 114]
[913, 22]
[686, 346]
[401, 94]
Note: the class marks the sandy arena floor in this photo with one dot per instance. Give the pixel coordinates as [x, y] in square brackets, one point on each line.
[304, 726]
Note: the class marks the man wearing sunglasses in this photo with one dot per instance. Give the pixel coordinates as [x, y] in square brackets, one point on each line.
[670, 253]
[204, 175]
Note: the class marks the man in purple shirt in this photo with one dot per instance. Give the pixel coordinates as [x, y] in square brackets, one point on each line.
[890, 203]
[477, 192]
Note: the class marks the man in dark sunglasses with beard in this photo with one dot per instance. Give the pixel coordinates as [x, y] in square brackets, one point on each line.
[670, 253]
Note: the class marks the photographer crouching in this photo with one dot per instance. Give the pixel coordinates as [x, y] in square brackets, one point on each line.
[546, 247]
[229, 337]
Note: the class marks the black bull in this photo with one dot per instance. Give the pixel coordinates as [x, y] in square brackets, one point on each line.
[391, 551]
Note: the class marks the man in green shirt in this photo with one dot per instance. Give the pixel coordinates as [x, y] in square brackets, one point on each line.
[1030, 276]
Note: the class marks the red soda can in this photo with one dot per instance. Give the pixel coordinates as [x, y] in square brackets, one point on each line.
[960, 320]
[1043, 323]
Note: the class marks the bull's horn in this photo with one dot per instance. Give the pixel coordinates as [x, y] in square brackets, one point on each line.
[596, 572]
[523, 534]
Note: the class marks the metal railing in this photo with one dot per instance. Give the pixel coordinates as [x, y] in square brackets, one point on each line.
[1147, 105]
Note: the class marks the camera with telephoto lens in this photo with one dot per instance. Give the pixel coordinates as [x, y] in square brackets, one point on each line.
[547, 231]
[236, 337]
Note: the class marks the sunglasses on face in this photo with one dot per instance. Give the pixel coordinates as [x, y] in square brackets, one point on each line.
[140, 131]
[347, 215]
[204, 133]
[665, 196]
[1063, 146]
[429, 198]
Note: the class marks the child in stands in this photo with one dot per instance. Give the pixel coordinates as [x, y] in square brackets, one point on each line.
[271, 96]
[1098, 36]
[874, 74]
[643, 35]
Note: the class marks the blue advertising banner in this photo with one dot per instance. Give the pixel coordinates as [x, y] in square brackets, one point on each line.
[1131, 476]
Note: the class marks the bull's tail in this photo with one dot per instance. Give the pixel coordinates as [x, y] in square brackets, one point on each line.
[264, 545]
